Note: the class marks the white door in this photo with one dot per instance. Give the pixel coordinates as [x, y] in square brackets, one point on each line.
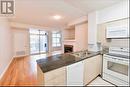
[21, 43]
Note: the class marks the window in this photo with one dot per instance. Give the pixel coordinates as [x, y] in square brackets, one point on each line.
[56, 39]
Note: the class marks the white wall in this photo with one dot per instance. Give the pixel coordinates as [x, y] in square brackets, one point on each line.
[6, 45]
[115, 12]
[20, 41]
[24, 28]
[78, 21]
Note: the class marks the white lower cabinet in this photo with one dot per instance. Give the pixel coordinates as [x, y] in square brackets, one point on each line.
[75, 74]
[92, 68]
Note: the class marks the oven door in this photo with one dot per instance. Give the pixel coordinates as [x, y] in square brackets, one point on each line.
[117, 67]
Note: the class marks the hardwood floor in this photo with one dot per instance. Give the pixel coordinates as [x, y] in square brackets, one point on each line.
[22, 71]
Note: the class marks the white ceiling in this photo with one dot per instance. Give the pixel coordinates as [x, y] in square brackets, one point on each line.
[40, 12]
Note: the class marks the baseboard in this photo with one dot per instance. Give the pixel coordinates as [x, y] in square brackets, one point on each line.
[6, 68]
[20, 56]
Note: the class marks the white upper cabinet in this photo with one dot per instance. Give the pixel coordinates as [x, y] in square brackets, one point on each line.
[92, 28]
[117, 32]
[116, 12]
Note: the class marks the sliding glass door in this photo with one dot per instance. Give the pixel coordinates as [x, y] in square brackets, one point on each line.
[43, 42]
[34, 44]
[38, 41]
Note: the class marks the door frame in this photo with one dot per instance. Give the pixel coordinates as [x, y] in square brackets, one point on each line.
[39, 41]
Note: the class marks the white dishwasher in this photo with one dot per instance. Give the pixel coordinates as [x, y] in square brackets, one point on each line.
[75, 74]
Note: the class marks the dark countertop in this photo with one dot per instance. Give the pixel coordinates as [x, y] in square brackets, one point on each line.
[60, 60]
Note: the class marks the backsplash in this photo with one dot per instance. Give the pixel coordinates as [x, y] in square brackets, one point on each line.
[119, 43]
[93, 47]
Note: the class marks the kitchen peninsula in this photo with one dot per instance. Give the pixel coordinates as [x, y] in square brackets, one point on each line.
[56, 70]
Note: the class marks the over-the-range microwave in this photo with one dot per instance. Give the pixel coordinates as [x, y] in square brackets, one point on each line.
[117, 32]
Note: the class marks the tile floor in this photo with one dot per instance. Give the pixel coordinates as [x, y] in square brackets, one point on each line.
[99, 82]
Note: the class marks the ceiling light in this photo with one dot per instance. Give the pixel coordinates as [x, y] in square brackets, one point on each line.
[57, 17]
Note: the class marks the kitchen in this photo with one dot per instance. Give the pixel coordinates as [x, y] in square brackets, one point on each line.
[81, 67]
[90, 48]
[112, 37]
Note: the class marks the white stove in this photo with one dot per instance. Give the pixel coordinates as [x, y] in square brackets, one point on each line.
[116, 66]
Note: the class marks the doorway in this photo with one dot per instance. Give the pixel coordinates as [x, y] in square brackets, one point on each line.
[38, 41]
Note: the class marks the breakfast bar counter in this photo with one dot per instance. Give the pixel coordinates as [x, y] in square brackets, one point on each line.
[60, 60]
[67, 69]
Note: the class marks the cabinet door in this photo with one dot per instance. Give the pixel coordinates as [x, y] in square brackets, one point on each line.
[55, 77]
[75, 74]
[92, 68]
[60, 81]
[101, 34]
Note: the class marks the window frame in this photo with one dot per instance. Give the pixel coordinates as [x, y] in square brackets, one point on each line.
[56, 37]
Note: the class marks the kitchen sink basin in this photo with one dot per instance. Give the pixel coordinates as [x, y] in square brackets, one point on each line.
[81, 54]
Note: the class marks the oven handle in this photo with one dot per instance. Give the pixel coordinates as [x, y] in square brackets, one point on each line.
[115, 59]
[108, 57]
